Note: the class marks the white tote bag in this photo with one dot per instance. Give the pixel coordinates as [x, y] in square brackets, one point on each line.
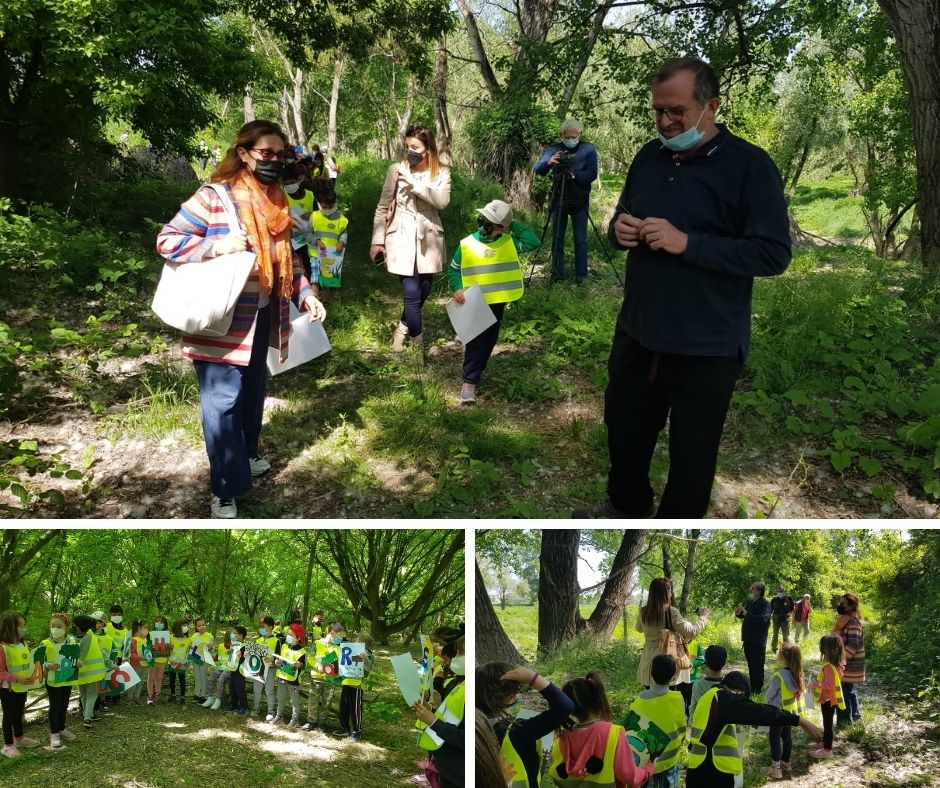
[199, 298]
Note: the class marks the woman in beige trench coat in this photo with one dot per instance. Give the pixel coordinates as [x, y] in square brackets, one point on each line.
[651, 620]
[407, 228]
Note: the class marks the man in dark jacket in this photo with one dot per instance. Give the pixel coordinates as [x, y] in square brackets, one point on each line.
[780, 608]
[573, 162]
[702, 213]
[755, 621]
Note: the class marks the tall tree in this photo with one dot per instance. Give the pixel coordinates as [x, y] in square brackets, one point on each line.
[19, 548]
[492, 643]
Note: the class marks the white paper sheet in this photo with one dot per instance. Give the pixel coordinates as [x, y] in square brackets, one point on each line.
[307, 341]
[206, 656]
[123, 676]
[471, 318]
[407, 674]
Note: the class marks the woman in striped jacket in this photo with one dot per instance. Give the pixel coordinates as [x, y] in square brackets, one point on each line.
[848, 626]
[232, 370]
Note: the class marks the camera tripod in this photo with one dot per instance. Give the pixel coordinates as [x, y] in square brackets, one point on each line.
[556, 204]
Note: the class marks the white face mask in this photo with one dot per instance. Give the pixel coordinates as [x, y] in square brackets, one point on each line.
[458, 666]
[117, 619]
[291, 188]
[57, 632]
[291, 640]
[185, 630]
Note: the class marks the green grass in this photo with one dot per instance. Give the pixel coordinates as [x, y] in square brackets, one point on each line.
[165, 746]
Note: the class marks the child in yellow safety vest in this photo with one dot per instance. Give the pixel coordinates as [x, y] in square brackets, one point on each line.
[203, 642]
[489, 258]
[300, 204]
[180, 642]
[16, 671]
[328, 230]
[324, 676]
[161, 656]
[590, 749]
[61, 653]
[91, 667]
[226, 663]
[827, 689]
[442, 727]
[140, 656]
[290, 658]
[786, 691]
[111, 655]
[655, 724]
[350, 697]
[498, 685]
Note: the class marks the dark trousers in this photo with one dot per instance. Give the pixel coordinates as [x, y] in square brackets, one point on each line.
[236, 686]
[303, 252]
[13, 705]
[478, 350]
[707, 776]
[828, 712]
[684, 689]
[851, 712]
[58, 706]
[646, 387]
[579, 222]
[182, 678]
[781, 623]
[415, 290]
[781, 742]
[231, 399]
[350, 708]
[754, 654]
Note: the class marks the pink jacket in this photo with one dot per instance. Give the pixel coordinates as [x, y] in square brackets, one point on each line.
[580, 744]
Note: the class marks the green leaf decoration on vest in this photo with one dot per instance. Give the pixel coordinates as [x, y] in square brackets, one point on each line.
[650, 739]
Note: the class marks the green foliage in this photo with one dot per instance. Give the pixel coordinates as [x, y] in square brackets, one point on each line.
[28, 474]
[504, 135]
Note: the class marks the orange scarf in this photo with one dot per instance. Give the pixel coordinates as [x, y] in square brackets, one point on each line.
[265, 217]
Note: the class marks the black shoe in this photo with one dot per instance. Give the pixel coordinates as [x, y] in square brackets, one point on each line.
[607, 511]
[341, 732]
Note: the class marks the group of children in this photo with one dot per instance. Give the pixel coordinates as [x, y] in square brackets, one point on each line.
[83, 651]
[644, 749]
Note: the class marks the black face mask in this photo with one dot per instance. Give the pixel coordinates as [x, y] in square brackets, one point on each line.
[841, 609]
[268, 172]
[414, 158]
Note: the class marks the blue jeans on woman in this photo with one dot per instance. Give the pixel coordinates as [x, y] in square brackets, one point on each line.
[415, 290]
[851, 712]
[231, 399]
[579, 221]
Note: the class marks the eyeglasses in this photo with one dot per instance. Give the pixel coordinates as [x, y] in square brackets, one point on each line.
[269, 154]
[673, 114]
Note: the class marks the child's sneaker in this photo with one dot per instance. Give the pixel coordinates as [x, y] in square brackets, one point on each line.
[341, 732]
[25, 741]
[309, 726]
[242, 712]
[172, 697]
[216, 704]
[785, 767]
[822, 752]
[356, 735]
[277, 720]
[294, 723]
[269, 718]
[9, 751]
[86, 724]
[54, 741]
[67, 735]
[773, 770]
[207, 702]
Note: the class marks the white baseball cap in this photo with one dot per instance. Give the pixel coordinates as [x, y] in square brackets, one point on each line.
[498, 212]
[98, 615]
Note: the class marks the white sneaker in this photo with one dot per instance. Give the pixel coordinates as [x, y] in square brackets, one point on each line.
[223, 508]
[67, 735]
[54, 741]
[269, 718]
[217, 705]
[209, 701]
[468, 394]
[259, 465]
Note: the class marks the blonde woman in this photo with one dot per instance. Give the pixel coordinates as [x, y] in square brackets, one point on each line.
[407, 229]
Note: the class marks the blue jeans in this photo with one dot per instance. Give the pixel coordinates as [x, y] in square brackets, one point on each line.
[415, 290]
[579, 221]
[231, 399]
[666, 779]
[851, 712]
[477, 351]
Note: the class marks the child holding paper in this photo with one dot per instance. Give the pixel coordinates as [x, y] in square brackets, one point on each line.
[203, 642]
[141, 658]
[180, 642]
[224, 665]
[323, 676]
[443, 729]
[61, 676]
[489, 258]
[160, 646]
[350, 698]
[329, 237]
[267, 638]
[290, 661]
[237, 681]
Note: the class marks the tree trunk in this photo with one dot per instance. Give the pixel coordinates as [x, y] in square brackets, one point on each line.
[248, 105]
[804, 154]
[305, 607]
[492, 642]
[689, 569]
[597, 25]
[282, 104]
[404, 118]
[618, 585]
[667, 560]
[296, 104]
[916, 27]
[13, 564]
[441, 118]
[558, 588]
[339, 65]
[479, 52]
[225, 554]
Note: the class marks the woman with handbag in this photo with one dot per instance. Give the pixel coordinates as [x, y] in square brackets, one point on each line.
[232, 369]
[407, 229]
[666, 631]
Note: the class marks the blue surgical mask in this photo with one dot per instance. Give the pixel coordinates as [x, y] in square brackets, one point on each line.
[233, 638]
[337, 641]
[569, 143]
[263, 631]
[685, 141]
[159, 626]
[291, 640]
[21, 632]
[291, 188]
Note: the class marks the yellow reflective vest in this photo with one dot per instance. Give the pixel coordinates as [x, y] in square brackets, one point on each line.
[117, 635]
[305, 204]
[224, 661]
[667, 713]
[20, 663]
[179, 648]
[493, 266]
[92, 668]
[451, 710]
[817, 690]
[514, 761]
[725, 754]
[789, 700]
[327, 231]
[107, 645]
[52, 655]
[290, 655]
[604, 778]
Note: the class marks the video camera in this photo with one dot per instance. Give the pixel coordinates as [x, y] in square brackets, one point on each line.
[565, 160]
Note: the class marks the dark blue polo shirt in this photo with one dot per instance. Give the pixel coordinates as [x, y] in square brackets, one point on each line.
[728, 197]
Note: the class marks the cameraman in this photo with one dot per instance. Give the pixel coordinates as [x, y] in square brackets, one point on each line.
[576, 162]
